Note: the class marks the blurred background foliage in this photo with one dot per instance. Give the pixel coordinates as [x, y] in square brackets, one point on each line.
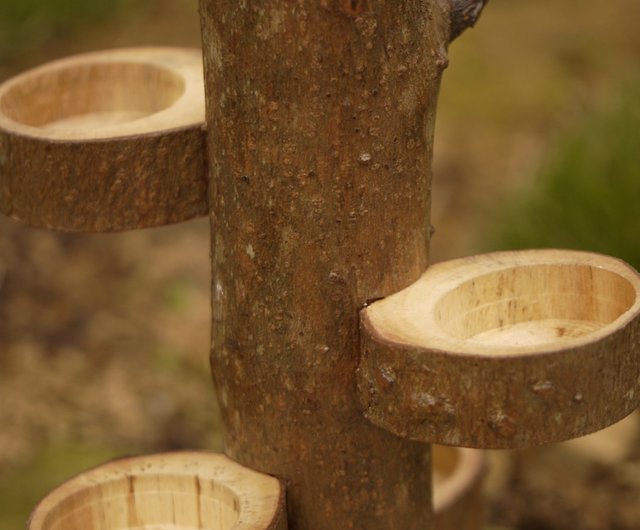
[586, 194]
[26, 25]
[104, 338]
[528, 78]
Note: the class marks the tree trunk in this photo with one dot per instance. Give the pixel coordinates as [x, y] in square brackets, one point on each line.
[320, 117]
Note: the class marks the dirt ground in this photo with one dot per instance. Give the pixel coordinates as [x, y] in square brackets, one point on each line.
[104, 338]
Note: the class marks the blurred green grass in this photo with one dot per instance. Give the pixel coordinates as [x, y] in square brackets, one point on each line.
[29, 24]
[586, 194]
[24, 486]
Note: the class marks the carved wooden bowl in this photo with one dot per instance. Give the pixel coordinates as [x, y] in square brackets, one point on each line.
[176, 491]
[457, 488]
[105, 141]
[505, 350]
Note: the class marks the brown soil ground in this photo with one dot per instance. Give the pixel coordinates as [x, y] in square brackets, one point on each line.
[104, 338]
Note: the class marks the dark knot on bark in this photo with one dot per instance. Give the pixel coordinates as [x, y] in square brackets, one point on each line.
[464, 14]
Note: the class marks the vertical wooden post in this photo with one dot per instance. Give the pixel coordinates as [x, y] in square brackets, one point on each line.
[320, 118]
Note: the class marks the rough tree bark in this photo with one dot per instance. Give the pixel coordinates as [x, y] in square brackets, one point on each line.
[320, 116]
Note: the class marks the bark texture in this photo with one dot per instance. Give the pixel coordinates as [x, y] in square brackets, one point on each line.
[104, 185]
[504, 402]
[464, 15]
[320, 117]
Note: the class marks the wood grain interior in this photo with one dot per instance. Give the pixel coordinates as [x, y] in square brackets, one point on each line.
[457, 487]
[173, 491]
[92, 95]
[107, 94]
[151, 502]
[534, 304]
[510, 302]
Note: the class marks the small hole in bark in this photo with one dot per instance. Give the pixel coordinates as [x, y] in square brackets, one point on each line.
[353, 7]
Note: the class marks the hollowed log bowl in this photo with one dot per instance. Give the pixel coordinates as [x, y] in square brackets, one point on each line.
[457, 488]
[105, 141]
[505, 350]
[173, 491]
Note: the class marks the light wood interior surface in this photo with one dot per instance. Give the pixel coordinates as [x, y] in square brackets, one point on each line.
[511, 302]
[178, 491]
[456, 472]
[106, 94]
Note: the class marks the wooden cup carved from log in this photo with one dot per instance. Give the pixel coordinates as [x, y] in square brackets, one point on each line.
[505, 350]
[105, 141]
[173, 491]
[457, 488]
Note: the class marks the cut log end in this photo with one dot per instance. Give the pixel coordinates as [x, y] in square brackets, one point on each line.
[457, 488]
[103, 95]
[178, 491]
[105, 141]
[510, 303]
[516, 339]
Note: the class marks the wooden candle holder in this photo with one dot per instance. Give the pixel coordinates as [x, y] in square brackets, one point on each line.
[505, 350]
[457, 488]
[314, 167]
[196, 491]
[105, 141]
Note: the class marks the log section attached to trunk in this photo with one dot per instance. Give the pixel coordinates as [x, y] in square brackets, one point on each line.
[105, 141]
[505, 350]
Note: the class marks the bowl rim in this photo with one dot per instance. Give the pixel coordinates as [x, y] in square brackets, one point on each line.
[442, 278]
[467, 475]
[188, 109]
[260, 497]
